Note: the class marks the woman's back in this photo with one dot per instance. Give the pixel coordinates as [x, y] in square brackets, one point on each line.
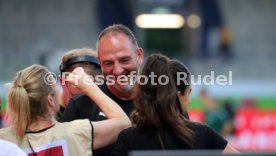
[134, 139]
[69, 138]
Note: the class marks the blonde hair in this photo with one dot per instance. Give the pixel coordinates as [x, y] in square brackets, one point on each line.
[89, 68]
[27, 98]
[78, 52]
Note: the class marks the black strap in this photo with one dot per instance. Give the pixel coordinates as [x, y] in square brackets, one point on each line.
[33, 152]
[78, 59]
[39, 131]
[92, 135]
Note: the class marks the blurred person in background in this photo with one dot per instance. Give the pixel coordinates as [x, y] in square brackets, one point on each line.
[158, 122]
[87, 59]
[216, 36]
[32, 104]
[221, 119]
[228, 126]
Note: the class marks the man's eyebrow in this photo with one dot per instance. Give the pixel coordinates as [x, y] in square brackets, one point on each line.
[125, 57]
[106, 61]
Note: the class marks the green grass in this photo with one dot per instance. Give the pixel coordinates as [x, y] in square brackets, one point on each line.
[266, 103]
[4, 104]
[261, 103]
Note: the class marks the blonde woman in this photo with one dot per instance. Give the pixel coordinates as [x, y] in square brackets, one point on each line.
[32, 104]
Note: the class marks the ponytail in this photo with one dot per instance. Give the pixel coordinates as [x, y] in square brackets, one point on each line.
[19, 110]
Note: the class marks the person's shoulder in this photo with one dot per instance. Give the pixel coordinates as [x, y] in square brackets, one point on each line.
[2, 130]
[196, 125]
[200, 128]
[130, 132]
[76, 123]
[134, 133]
[75, 126]
[5, 131]
[207, 138]
[8, 134]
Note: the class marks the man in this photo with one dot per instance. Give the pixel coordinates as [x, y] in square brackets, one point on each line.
[84, 57]
[119, 55]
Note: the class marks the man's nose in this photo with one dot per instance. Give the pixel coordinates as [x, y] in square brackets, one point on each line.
[118, 69]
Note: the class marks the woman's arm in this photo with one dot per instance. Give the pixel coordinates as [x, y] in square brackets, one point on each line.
[230, 150]
[105, 132]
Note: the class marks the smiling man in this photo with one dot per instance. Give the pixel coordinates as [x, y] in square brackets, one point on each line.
[119, 55]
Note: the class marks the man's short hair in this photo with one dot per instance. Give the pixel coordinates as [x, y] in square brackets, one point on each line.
[118, 28]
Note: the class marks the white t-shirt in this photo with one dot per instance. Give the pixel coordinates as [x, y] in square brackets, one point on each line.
[10, 149]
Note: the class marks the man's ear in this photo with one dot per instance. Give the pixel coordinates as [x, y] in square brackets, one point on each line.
[61, 81]
[140, 55]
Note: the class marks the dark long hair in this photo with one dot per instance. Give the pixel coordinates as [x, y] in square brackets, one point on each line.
[157, 105]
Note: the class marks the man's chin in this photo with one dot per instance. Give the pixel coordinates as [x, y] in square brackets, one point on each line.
[124, 88]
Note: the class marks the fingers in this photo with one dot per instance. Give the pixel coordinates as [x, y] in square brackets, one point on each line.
[75, 75]
[78, 71]
[79, 78]
[71, 78]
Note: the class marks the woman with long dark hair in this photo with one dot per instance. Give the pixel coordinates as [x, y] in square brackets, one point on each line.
[158, 121]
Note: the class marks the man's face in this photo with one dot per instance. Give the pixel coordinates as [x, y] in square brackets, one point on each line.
[117, 57]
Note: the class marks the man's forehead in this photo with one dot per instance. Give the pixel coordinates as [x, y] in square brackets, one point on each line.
[116, 51]
[117, 56]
